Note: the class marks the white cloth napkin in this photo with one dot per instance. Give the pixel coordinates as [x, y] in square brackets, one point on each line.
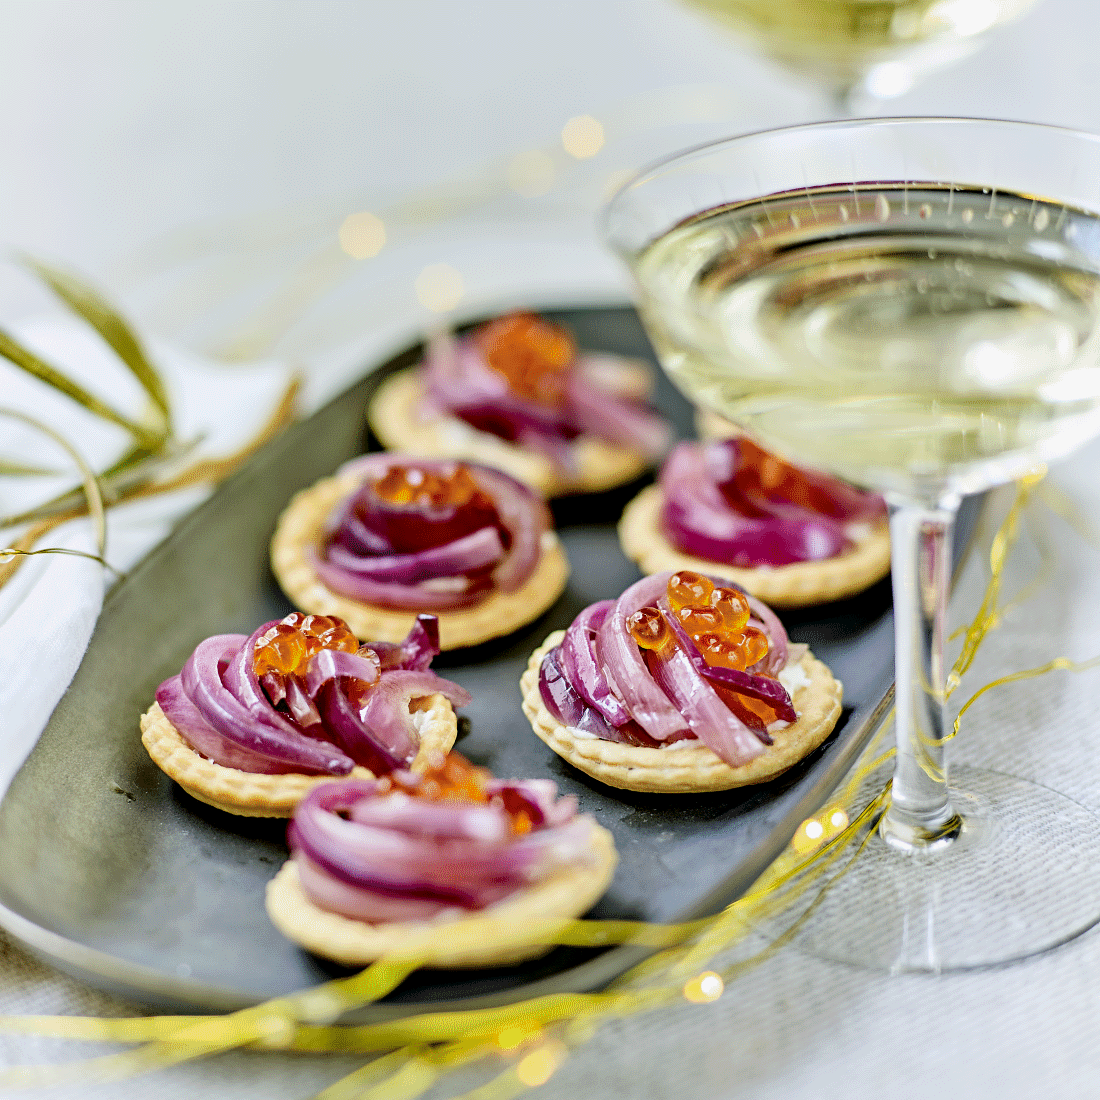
[49, 608]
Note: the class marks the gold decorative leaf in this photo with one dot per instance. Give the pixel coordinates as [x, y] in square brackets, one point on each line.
[36, 366]
[89, 483]
[84, 300]
[24, 469]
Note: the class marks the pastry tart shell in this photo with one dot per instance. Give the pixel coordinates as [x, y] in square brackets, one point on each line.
[515, 928]
[396, 419]
[685, 768]
[800, 584]
[299, 531]
[253, 794]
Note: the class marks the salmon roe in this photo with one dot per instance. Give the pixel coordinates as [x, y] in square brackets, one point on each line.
[451, 777]
[761, 475]
[532, 354]
[417, 485]
[714, 617]
[287, 646]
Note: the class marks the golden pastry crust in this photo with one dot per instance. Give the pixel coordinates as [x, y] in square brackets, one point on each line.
[514, 929]
[800, 584]
[395, 418]
[299, 530]
[689, 767]
[250, 794]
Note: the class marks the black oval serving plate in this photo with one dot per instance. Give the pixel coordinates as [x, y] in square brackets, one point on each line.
[112, 873]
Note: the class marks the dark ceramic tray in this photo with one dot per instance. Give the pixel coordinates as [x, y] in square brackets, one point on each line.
[113, 874]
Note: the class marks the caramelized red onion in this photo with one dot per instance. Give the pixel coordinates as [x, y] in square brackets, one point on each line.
[461, 383]
[378, 855]
[421, 557]
[667, 696]
[224, 712]
[580, 664]
[706, 515]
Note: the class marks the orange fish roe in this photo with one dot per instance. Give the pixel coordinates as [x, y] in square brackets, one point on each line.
[416, 485]
[761, 475]
[532, 354]
[648, 628]
[715, 618]
[452, 778]
[287, 646]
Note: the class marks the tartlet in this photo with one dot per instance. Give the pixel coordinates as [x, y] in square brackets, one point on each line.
[666, 718]
[455, 869]
[339, 544]
[253, 723]
[790, 537]
[516, 394]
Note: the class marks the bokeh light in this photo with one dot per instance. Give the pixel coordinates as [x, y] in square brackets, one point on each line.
[538, 1067]
[362, 235]
[704, 988]
[582, 137]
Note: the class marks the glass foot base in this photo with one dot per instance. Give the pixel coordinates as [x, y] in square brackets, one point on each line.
[1022, 877]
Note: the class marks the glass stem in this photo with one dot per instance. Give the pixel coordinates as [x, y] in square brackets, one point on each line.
[920, 814]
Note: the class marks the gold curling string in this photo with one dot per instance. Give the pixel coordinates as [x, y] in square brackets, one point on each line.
[988, 616]
[1059, 664]
[274, 1021]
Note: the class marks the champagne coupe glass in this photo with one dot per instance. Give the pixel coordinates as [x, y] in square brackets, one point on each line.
[913, 305]
[859, 49]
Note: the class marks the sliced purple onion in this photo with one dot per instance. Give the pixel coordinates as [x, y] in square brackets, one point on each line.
[524, 515]
[465, 555]
[400, 597]
[387, 856]
[538, 798]
[582, 668]
[776, 658]
[421, 644]
[563, 702]
[265, 733]
[334, 896]
[453, 820]
[624, 423]
[205, 739]
[708, 717]
[453, 575]
[699, 520]
[626, 671]
[837, 500]
[224, 711]
[301, 706]
[327, 664]
[671, 694]
[386, 717]
[459, 381]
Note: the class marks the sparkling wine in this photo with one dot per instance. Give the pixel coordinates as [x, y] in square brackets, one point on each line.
[841, 42]
[925, 339]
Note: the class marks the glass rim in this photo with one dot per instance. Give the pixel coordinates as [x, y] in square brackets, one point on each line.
[686, 155]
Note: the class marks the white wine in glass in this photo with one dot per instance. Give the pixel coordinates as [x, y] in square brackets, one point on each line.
[912, 304]
[870, 48]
